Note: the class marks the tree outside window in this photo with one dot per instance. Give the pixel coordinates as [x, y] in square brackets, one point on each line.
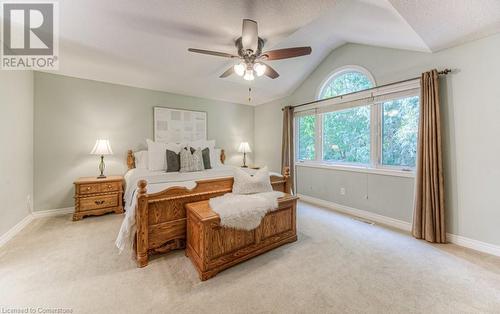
[346, 136]
[399, 132]
[345, 83]
[307, 137]
[346, 133]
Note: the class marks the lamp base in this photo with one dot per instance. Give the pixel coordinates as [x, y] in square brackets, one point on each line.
[101, 168]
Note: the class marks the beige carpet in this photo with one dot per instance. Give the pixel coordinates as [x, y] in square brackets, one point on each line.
[338, 265]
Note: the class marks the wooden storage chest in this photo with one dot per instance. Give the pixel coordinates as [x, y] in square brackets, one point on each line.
[213, 248]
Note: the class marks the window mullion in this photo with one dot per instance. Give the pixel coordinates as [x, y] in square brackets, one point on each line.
[319, 137]
[374, 135]
[379, 135]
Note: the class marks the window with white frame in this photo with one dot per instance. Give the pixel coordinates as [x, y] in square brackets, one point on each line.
[399, 131]
[373, 128]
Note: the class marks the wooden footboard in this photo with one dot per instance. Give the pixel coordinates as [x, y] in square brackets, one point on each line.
[161, 217]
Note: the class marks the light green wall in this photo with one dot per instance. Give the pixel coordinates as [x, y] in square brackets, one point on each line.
[70, 114]
[470, 111]
[364, 191]
[16, 140]
[268, 129]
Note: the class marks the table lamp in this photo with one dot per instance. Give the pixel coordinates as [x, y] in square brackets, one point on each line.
[244, 148]
[102, 148]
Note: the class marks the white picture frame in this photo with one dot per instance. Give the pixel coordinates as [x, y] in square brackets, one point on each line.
[178, 125]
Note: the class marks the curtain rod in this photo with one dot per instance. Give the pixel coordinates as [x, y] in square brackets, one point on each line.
[444, 72]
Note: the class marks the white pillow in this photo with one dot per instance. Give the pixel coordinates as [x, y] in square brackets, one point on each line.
[244, 183]
[202, 144]
[141, 159]
[157, 154]
[215, 155]
[211, 146]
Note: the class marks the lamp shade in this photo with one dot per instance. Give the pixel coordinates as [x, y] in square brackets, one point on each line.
[101, 147]
[244, 148]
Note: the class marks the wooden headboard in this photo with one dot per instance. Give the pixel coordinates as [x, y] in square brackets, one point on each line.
[131, 158]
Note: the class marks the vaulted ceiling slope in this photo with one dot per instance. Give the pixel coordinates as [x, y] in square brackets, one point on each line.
[144, 43]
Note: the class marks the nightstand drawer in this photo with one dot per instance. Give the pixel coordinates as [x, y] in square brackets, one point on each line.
[88, 188]
[110, 187]
[96, 202]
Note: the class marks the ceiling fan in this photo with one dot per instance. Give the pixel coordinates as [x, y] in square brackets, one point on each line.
[250, 53]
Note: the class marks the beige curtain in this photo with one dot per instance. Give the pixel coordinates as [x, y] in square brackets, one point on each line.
[287, 158]
[429, 213]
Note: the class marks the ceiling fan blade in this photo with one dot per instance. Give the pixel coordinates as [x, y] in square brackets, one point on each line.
[270, 72]
[249, 35]
[227, 72]
[286, 53]
[213, 53]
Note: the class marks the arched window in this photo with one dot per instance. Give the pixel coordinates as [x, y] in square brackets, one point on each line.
[346, 80]
[346, 133]
[380, 133]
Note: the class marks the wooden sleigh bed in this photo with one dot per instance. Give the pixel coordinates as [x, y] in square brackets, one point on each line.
[161, 217]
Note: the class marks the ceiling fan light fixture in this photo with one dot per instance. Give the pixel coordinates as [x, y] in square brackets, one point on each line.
[259, 69]
[239, 69]
[251, 56]
[249, 75]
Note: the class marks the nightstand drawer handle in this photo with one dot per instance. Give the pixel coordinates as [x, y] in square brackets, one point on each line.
[99, 202]
[88, 188]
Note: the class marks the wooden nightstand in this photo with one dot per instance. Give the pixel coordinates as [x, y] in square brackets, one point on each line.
[98, 196]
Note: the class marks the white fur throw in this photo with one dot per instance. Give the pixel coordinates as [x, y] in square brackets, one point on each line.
[244, 212]
[244, 183]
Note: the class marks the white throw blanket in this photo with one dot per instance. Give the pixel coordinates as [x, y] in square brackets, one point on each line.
[244, 212]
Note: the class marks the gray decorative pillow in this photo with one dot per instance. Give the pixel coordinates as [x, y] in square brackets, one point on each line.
[206, 158]
[191, 161]
[173, 161]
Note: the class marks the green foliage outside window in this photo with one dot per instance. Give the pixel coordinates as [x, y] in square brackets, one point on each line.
[346, 135]
[345, 83]
[307, 137]
[400, 131]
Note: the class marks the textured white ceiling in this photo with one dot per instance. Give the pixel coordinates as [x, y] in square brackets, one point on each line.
[447, 23]
[144, 43]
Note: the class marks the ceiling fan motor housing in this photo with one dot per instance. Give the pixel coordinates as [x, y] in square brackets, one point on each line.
[249, 53]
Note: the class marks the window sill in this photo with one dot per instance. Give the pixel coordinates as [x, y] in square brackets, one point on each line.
[352, 168]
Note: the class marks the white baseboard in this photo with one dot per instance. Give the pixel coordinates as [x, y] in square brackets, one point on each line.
[53, 212]
[402, 225]
[6, 237]
[399, 224]
[473, 244]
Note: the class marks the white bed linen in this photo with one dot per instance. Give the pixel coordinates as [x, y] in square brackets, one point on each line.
[159, 181]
